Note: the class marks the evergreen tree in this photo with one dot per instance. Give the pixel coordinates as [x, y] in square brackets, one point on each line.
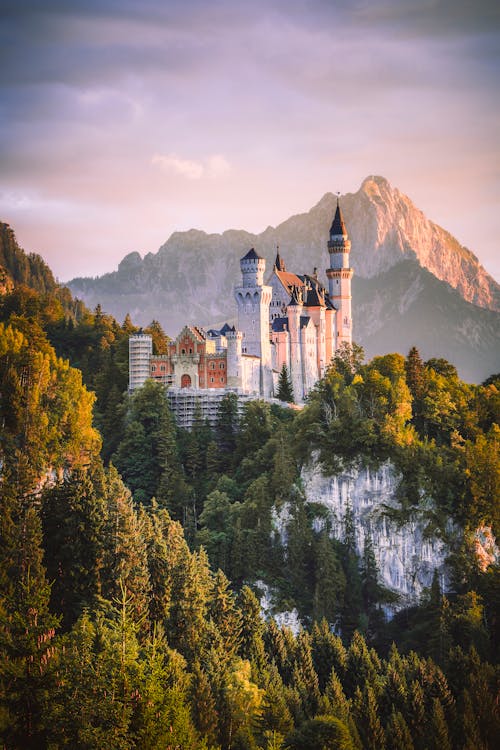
[73, 517]
[226, 428]
[224, 613]
[305, 679]
[328, 652]
[330, 581]
[125, 561]
[398, 734]
[252, 630]
[203, 704]
[352, 605]
[367, 719]
[27, 629]
[275, 714]
[285, 387]
[438, 734]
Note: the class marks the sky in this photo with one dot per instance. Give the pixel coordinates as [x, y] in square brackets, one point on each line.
[121, 122]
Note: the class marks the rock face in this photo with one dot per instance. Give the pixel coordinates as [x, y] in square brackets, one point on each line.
[190, 279]
[406, 558]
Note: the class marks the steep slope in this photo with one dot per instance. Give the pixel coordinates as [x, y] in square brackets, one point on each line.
[22, 268]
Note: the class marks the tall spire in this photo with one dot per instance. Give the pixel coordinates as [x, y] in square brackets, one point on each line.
[279, 263]
[338, 227]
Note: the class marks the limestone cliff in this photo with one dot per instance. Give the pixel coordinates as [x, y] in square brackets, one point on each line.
[405, 555]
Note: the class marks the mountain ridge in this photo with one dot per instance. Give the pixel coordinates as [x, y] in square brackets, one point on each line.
[384, 227]
[397, 254]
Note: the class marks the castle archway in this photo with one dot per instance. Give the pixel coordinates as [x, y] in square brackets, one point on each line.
[186, 381]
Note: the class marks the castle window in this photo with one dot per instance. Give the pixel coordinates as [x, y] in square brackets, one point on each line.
[221, 366]
[212, 365]
[183, 351]
[153, 368]
[211, 380]
[222, 379]
[190, 350]
[162, 368]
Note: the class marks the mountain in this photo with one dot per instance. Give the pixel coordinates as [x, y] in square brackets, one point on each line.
[191, 278]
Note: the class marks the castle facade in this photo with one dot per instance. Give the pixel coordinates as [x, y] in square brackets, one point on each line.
[291, 320]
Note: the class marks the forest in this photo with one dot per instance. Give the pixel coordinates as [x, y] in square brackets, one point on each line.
[134, 554]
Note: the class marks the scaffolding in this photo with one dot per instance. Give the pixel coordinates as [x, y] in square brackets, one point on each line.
[186, 402]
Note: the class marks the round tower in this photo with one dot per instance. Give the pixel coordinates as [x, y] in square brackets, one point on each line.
[339, 278]
[140, 349]
[252, 269]
[253, 299]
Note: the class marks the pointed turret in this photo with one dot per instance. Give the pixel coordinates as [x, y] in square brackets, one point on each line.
[338, 227]
[339, 278]
[279, 263]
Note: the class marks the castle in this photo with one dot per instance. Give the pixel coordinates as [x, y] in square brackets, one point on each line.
[291, 320]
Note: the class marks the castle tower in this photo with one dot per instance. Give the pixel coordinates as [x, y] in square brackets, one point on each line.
[234, 360]
[339, 278]
[253, 300]
[140, 349]
[294, 313]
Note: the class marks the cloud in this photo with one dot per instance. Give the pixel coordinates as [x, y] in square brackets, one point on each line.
[212, 166]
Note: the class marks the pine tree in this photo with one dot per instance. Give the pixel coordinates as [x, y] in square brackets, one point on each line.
[334, 698]
[365, 711]
[438, 735]
[285, 387]
[73, 517]
[305, 679]
[203, 704]
[328, 652]
[275, 715]
[125, 562]
[398, 734]
[330, 581]
[252, 630]
[226, 428]
[224, 613]
[26, 631]
[352, 606]
[360, 669]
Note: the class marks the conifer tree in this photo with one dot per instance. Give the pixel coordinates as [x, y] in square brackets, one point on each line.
[305, 679]
[275, 714]
[328, 652]
[367, 719]
[285, 387]
[226, 428]
[352, 605]
[203, 704]
[27, 629]
[252, 630]
[330, 581]
[125, 562]
[335, 701]
[398, 734]
[73, 518]
[224, 613]
[438, 734]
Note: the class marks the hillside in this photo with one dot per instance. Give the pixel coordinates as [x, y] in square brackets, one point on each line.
[131, 603]
[387, 231]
